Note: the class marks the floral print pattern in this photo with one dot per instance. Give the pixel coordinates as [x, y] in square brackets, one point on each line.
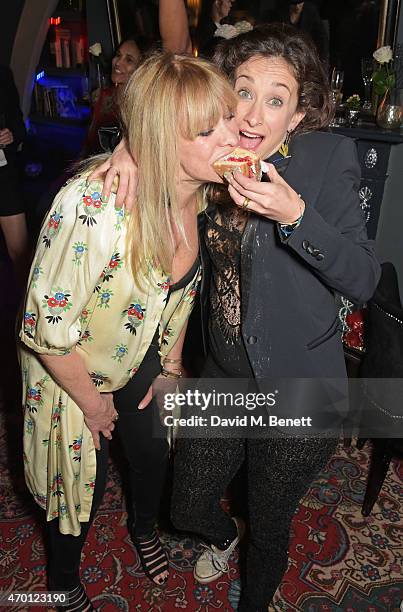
[57, 485]
[92, 206]
[79, 250]
[84, 316]
[75, 448]
[53, 227]
[121, 350]
[85, 336]
[57, 412]
[57, 301]
[135, 316]
[36, 272]
[33, 396]
[114, 264]
[29, 323]
[104, 298]
[98, 378]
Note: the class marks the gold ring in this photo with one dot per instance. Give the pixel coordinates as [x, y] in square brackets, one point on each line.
[245, 204]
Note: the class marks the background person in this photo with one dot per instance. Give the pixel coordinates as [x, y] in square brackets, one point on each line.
[306, 17]
[174, 33]
[105, 113]
[12, 212]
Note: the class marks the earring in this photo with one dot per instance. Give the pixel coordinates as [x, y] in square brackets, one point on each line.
[283, 150]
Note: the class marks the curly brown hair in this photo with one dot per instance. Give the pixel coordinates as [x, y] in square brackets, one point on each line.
[285, 41]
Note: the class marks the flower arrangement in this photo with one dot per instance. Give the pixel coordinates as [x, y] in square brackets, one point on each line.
[353, 102]
[384, 76]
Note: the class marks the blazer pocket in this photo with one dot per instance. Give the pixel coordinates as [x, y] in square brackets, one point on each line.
[333, 329]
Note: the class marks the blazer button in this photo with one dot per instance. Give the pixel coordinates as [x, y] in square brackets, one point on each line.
[310, 249]
[252, 340]
[320, 256]
[305, 245]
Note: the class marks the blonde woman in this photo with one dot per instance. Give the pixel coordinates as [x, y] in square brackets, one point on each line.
[106, 311]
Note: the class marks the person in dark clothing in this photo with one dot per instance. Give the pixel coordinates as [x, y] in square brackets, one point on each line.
[213, 13]
[12, 215]
[304, 16]
[271, 302]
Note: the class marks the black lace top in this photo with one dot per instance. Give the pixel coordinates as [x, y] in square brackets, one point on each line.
[223, 240]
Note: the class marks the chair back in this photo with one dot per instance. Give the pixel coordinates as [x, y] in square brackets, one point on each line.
[381, 370]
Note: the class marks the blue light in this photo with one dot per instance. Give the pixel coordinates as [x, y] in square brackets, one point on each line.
[40, 75]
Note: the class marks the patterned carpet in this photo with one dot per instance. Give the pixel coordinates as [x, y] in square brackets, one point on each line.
[338, 562]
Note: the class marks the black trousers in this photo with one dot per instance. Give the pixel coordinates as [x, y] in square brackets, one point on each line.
[279, 473]
[147, 456]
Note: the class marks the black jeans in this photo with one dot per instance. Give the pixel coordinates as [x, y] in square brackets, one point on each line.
[147, 458]
[279, 472]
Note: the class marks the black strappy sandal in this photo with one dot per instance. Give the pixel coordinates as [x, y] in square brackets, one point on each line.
[77, 601]
[152, 555]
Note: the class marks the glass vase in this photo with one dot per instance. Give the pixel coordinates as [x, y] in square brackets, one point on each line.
[390, 111]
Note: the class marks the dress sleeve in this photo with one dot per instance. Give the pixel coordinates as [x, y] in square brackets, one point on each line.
[75, 244]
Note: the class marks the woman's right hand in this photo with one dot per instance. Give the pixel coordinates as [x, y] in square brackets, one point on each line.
[102, 419]
[121, 164]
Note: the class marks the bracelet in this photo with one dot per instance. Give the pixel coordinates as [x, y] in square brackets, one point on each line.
[288, 228]
[166, 360]
[169, 374]
[301, 205]
[172, 369]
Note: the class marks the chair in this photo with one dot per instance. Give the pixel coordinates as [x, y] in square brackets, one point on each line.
[381, 383]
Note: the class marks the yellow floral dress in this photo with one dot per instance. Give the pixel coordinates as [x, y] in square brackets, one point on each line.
[81, 294]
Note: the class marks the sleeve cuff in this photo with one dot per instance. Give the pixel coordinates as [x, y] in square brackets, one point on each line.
[42, 350]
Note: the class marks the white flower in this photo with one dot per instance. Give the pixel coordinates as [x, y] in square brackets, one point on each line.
[383, 55]
[226, 31]
[96, 49]
[243, 26]
[230, 31]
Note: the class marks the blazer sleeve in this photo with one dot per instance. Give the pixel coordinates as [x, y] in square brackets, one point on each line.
[332, 237]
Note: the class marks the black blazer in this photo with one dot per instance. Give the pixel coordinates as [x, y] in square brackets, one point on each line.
[10, 108]
[290, 322]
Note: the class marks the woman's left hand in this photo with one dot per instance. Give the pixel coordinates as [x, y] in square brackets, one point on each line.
[274, 200]
[157, 389]
[146, 399]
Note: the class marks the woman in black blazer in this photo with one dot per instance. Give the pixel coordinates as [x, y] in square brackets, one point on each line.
[12, 215]
[275, 261]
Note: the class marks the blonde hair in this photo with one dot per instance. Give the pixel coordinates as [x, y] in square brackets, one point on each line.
[166, 97]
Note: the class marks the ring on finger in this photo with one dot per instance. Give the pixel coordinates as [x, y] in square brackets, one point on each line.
[245, 204]
[115, 418]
